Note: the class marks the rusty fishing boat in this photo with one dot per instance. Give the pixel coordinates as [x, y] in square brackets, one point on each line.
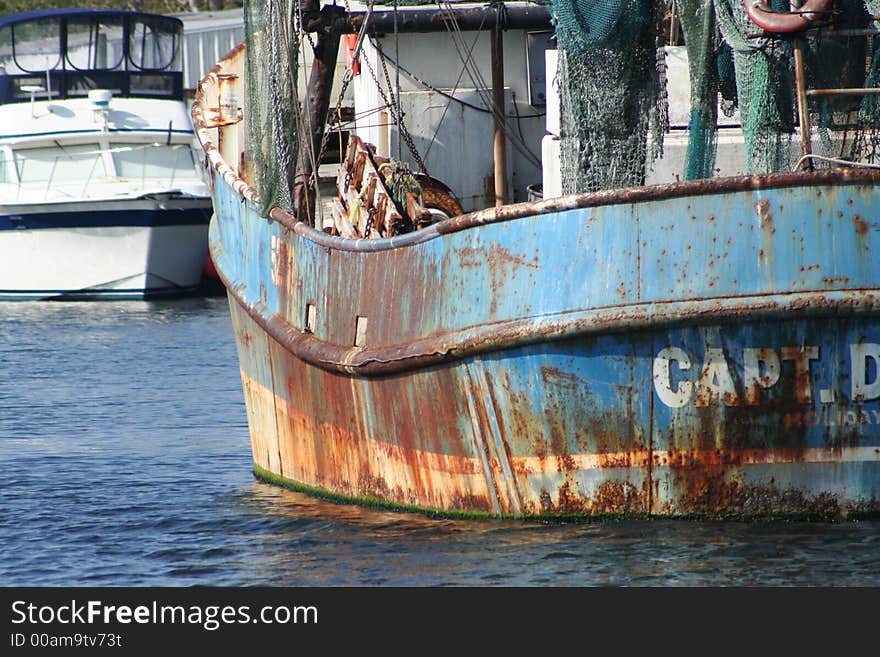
[633, 340]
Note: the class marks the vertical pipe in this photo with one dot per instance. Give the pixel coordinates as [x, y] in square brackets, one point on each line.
[397, 81]
[803, 110]
[314, 117]
[498, 111]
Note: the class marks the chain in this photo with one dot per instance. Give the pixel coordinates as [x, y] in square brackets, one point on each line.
[325, 140]
[400, 124]
[371, 214]
[346, 80]
[311, 183]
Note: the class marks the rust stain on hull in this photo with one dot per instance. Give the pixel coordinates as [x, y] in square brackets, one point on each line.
[431, 465]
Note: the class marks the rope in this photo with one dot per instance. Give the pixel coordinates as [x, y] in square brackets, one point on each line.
[834, 160]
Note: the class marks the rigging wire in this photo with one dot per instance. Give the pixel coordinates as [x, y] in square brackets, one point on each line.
[466, 56]
[452, 96]
[357, 120]
[304, 143]
[346, 80]
[479, 82]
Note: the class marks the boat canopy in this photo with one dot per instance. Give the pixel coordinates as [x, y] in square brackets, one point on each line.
[65, 53]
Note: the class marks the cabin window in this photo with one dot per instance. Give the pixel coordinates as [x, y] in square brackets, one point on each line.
[153, 44]
[59, 164]
[158, 161]
[94, 43]
[81, 83]
[151, 85]
[36, 46]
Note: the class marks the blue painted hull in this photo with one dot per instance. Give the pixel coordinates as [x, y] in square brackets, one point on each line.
[676, 351]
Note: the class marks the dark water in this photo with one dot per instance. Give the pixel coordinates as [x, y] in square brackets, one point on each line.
[125, 461]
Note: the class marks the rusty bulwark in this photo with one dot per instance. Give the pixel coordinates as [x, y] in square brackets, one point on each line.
[512, 440]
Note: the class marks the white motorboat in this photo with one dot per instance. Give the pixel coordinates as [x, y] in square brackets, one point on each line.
[101, 194]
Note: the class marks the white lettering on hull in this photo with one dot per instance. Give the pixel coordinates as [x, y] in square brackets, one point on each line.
[681, 394]
[762, 369]
[860, 355]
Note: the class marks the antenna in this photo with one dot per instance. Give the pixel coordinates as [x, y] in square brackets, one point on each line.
[100, 100]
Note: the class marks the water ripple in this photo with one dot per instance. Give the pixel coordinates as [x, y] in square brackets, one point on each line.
[125, 461]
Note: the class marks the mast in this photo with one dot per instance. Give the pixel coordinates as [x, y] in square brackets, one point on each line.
[500, 146]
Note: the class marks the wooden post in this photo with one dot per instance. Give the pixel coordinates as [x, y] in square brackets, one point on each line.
[498, 112]
[803, 109]
[314, 117]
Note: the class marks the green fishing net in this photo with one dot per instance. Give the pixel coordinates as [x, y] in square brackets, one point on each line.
[271, 103]
[842, 127]
[856, 124]
[611, 87]
[710, 67]
[612, 91]
[765, 87]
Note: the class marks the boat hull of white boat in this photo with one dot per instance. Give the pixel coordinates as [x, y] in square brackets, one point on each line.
[136, 249]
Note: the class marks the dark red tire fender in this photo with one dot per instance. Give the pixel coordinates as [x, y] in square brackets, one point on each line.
[783, 22]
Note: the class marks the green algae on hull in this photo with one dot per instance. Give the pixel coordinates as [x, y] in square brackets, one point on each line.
[378, 503]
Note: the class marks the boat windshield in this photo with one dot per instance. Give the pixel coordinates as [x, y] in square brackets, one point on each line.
[94, 44]
[59, 164]
[131, 161]
[59, 55]
[160, 161]
[7, 170]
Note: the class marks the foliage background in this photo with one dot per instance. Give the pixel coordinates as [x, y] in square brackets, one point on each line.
[151, 6]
